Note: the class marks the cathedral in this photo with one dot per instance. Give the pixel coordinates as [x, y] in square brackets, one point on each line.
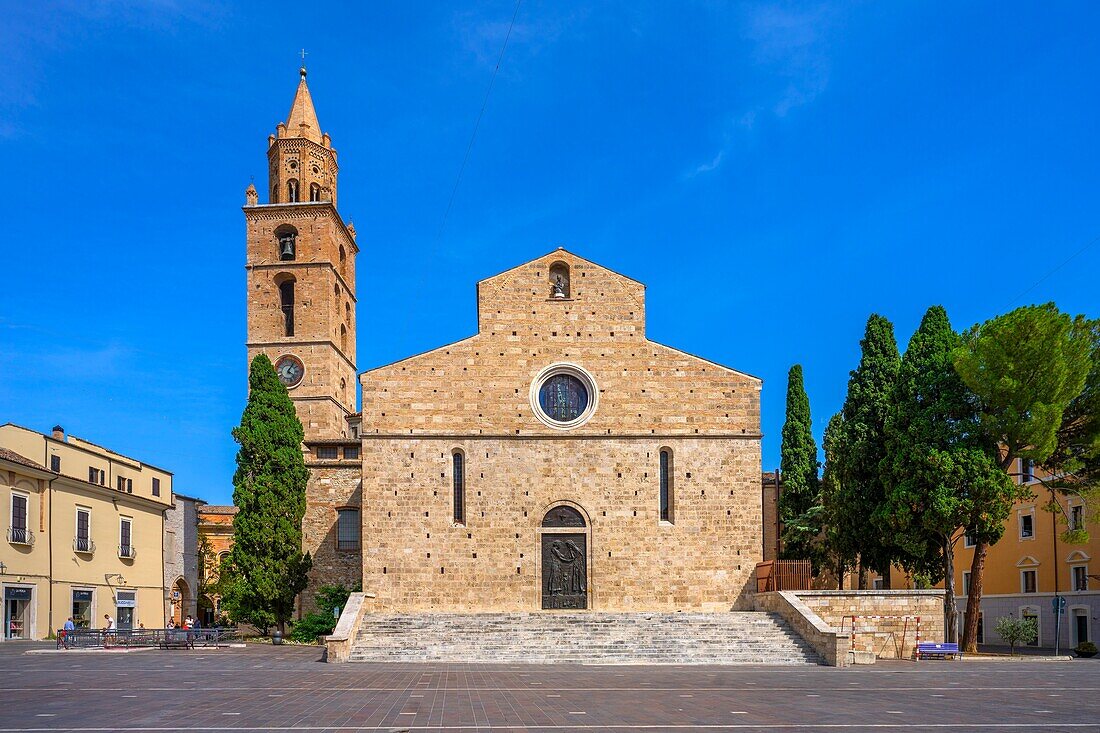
[555, 459]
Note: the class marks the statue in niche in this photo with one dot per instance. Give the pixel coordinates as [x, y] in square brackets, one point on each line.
[558, 290]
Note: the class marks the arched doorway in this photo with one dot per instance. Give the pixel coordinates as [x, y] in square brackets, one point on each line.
[564, 539]
[181, 601]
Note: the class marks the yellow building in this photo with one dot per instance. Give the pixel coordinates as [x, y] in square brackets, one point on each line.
[84, 535]
[1031, 564]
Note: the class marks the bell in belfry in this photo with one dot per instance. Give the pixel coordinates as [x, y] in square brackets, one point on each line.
[286, 248]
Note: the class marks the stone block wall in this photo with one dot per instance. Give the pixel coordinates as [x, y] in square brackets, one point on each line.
[332, 485]
[887, 638]
[417, 558]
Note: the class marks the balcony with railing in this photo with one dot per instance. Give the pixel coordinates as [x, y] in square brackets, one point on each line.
[127, 552]
[20, 536]
[83, 545]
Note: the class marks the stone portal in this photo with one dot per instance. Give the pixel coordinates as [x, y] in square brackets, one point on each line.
[564, 560]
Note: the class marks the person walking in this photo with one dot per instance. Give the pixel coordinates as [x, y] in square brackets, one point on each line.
[69, 626]
[108, 629]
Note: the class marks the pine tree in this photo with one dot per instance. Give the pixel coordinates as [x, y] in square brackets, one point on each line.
[799, 502]
[266, 567]
[865, 409]
[1026, 367]
[941, 477]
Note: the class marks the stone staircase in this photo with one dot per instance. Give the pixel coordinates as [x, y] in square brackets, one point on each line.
[587, 638]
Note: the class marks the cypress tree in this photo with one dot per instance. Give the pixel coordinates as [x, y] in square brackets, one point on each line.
[865, 408]
[838, 545]
[940, 475]
[266, 567]
[800, 499]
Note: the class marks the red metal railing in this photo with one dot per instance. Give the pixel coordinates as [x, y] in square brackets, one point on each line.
[783, 575]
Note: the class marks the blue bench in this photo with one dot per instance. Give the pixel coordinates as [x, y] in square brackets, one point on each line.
[937, 650]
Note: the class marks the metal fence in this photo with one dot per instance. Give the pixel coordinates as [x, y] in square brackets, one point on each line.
[783, 575]
[163, 638]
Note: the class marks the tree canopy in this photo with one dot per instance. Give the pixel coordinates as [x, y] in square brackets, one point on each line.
[941, 475]
[859, 481]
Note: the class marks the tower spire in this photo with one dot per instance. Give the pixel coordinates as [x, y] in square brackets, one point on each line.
[302, 120]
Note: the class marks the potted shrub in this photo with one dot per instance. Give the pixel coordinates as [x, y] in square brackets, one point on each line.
[1085, 649]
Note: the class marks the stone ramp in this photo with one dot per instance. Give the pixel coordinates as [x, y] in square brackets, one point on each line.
[744, 637]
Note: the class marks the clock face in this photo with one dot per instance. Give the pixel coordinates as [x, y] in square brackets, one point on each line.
[290, 370]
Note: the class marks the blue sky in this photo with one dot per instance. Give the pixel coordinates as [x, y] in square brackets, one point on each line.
[773, 172]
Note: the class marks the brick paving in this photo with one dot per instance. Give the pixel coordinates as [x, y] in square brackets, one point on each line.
[262, 688]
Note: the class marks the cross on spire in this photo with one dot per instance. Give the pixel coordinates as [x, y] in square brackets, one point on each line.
[304, 53]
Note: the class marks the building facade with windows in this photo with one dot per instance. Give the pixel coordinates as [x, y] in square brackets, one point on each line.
[557, 459]
[215, 539]
[84, 534]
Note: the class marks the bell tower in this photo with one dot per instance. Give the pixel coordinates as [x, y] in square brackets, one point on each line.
[300, 265]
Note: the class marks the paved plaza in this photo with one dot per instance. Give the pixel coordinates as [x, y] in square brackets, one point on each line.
[262, 688]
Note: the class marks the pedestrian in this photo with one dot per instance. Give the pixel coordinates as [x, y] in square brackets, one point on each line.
[69, 626]
[108, 622]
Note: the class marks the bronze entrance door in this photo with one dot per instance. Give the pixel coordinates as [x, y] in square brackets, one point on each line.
[564, 560]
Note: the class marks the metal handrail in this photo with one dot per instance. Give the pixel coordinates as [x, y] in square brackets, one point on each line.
[166, 638]
[86, 546]
[20, 536]
[127, 552]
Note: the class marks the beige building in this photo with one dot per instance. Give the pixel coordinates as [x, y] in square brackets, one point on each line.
[556, 459]
[84, 534]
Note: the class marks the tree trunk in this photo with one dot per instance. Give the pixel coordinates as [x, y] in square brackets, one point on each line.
[974, 600]
[862, 585]
[886, 578]
[950, 614]
[840, 575]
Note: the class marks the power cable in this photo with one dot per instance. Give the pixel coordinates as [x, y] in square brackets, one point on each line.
[1054, 270]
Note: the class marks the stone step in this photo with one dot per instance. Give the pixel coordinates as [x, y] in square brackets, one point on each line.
[581, 637]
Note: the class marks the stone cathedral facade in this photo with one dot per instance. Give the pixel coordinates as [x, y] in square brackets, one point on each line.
[556, 459]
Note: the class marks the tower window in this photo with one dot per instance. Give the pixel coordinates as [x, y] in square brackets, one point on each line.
[347, 312]
[343, 259]
[286, 303]
[292, 190]
[666, 485]
[458, 480]
[343, 337]
[314, 192]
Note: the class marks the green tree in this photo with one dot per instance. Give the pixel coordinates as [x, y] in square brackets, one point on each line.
[1075, 464]
[1016, 631]
[266, 569]
[861, 490]
[940, 475]
[838, 543]
[799, 502]
[1025, 367]
[330, 599]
